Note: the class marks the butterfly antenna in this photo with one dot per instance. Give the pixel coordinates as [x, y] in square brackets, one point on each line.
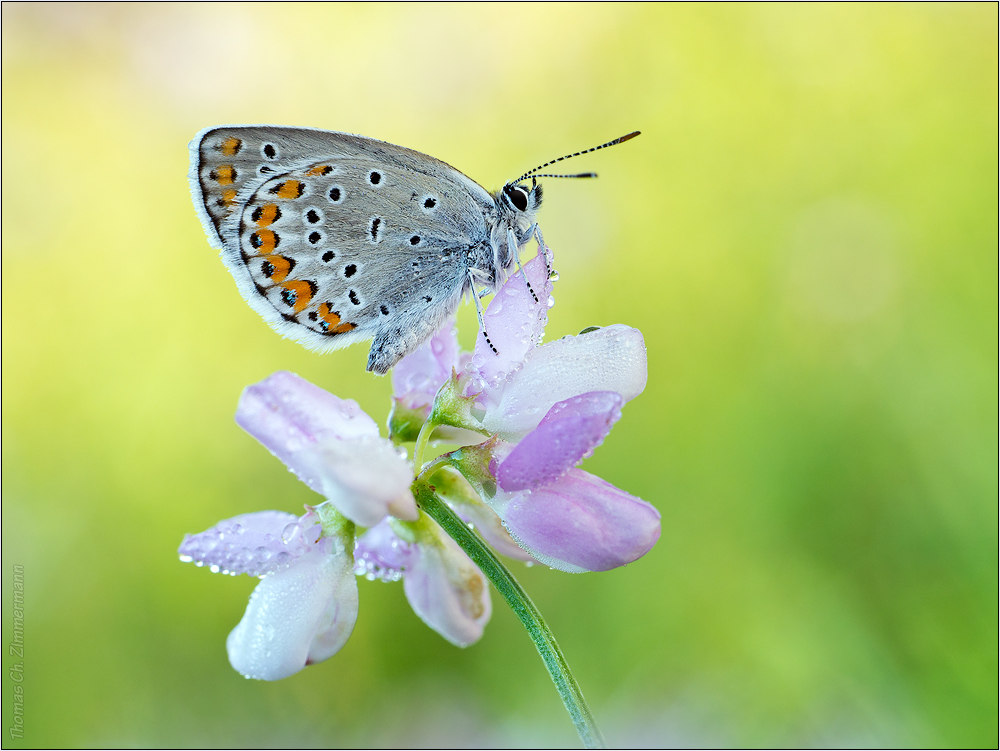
[528, 174]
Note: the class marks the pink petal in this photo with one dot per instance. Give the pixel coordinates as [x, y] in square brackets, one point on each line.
[381, 554]
[331, 445]
[448, 591]
[256, 544]
[515, 322]
[581, 523]
[568, 433]
[286, 413]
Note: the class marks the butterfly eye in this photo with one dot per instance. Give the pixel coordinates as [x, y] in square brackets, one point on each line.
[517, 196]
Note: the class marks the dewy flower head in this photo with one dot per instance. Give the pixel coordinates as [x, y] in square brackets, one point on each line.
[306, 605]
[550, 405]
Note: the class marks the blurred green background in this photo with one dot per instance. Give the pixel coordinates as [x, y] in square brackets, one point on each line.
[806, 234]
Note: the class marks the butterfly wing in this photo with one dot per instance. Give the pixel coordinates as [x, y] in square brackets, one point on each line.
[335, 238]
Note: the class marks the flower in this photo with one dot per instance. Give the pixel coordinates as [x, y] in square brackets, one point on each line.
[333, 446]
[442, 584]
[548, 406]
[306, 605]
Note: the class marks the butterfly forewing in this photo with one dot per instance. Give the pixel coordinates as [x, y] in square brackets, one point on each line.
[334, 238]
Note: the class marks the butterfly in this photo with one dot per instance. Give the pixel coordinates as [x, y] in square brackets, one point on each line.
[336, 238]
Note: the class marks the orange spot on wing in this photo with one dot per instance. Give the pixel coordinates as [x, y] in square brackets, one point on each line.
[329, 317]
[319, 170]
[224, 174]
[265, 215]
[288, 189]
[228, 197]
[230, 146]
[297, 294]
[276, 268]
[264, 241]
[330, 321]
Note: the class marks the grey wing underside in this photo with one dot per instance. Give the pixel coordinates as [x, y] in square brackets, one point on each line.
[325, 256]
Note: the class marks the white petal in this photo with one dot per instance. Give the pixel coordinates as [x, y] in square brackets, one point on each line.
[299, 616]
[366, 479]
[609, 359]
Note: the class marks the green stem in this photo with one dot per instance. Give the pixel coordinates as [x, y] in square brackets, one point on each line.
[523, 608]
[422, 438]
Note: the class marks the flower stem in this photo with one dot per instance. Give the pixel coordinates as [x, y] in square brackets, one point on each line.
[422, 438]
[524, 609]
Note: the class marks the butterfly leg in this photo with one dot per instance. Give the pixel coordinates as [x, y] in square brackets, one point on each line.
[513, 250]
[479, 312]
[537, 232]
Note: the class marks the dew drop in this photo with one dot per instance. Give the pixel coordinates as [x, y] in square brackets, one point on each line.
[186, 559]
[290, 532]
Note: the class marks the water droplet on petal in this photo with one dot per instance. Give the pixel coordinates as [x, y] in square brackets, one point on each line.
[290, 532]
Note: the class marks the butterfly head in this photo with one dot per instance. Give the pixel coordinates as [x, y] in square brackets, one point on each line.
[520, 199]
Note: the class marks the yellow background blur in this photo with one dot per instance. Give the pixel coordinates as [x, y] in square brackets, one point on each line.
[806, 234]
